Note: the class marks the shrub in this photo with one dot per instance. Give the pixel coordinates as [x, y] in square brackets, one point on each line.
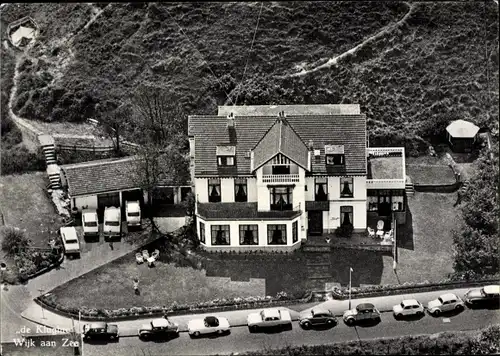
[344, 231]
[14, 240]
[20, 160]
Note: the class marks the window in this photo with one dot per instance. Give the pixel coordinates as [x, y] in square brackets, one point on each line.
[163, 195]
[321, 189]
[346, 190]
[295, 232]
[276, 234]
[281, 198]
[214, 190]
[249, 234]
[397, 203]
[281, 169]
[225, 160]
[346, 215]
[335, 160]
[220, 235]
[202, 232]
[184, 193]
[240, 190]
[372, 203]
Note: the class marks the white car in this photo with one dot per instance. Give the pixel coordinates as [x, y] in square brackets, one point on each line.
[269, 318]
[208, 325]
[90, 223]
[133, 213]
[112, 226]
[70, 241]
[445, 303]
[408, 307]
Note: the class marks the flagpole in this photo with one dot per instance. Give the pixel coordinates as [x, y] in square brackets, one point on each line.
[350, 270]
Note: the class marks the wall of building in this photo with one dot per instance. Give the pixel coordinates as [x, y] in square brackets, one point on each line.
[201, 190]
[332, 221]
[234, 232]
[89, 201]
[252, 190]
[227, 190]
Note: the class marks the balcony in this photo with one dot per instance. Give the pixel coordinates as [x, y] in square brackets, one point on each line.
[243, 211]
[386, 168]
[280, 178]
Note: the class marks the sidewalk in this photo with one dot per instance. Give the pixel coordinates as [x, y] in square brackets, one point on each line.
[236, 317]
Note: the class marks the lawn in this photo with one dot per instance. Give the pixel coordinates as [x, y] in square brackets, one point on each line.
[25, 204]
[426, 251]
[430, 174]
[173, 279]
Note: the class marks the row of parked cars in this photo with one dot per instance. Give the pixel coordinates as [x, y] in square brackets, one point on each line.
[317, 316]
[112, 225]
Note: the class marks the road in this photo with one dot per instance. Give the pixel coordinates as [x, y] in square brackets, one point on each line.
[240, 340]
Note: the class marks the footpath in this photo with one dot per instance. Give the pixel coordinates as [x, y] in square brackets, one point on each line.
[236, 318]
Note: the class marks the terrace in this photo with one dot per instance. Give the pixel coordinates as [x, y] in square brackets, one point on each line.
[386, 168]
[227, 211]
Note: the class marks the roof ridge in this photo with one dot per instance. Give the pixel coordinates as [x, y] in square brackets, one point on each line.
[265, 134]
[98, 162]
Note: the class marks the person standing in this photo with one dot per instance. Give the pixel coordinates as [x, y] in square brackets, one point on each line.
[136, 286]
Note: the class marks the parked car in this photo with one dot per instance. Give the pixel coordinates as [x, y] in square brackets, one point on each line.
[208, 325]
[159, 328]
[317, 317]
[445, 303]
[271, 317]
[408, 307]
[133, 213]
[112, 222]
[488, 295]
[70, 241]
[362, 313]
[100, 330]
[90, 223]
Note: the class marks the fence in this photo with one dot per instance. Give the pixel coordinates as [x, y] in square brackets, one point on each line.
[94, 148]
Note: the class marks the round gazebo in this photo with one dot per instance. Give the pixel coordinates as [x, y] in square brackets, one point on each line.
[461, 135]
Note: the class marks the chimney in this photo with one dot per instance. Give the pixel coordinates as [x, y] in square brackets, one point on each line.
[230, 120]
[311, 145]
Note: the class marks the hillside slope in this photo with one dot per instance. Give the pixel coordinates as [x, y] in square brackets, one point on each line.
[442, 64]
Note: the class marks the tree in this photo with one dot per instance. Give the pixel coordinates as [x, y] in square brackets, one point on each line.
[157, 165]
[158, 114]
[116, 116]
[14, 240]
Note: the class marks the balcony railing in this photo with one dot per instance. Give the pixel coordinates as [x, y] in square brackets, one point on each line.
[280, 178]
[385, 151]
[385, 184]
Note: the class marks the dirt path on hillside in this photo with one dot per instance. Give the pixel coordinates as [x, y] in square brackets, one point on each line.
[30, 139]
[335, 60]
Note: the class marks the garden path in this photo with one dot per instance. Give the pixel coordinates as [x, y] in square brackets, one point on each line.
[335, 60]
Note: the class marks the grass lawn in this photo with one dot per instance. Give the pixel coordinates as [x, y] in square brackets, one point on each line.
[426, 252]
[430, 174]
[171, 280]
[25, 204]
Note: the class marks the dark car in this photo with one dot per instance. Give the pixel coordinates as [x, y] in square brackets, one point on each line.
[362, 313]
[488, 295]
[317, 317]
[159, 328]
[102, 331]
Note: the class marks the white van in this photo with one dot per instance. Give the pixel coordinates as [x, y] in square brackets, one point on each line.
[112, 222]
[70, 240]
[90, 223]
[133, 213]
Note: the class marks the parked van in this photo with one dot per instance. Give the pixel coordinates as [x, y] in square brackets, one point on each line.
[70, 240]
[112, 222]
[90, 223]
[133, 213]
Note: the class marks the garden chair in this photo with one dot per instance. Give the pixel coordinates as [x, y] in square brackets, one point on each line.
[388, 234]
[155, 254]
[138, 258]
[371, 232]
[380, 228]
[145, 254]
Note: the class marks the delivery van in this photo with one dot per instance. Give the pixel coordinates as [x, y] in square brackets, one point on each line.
[133, 213]
[112, 226]
[70, 241]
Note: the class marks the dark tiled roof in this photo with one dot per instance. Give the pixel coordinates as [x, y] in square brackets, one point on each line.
[231, 211]
[295, 109]
[281, 139]
[347, 130]
[101, 176]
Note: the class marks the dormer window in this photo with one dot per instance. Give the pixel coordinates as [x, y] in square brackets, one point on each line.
[334, 155]
[225, 155]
